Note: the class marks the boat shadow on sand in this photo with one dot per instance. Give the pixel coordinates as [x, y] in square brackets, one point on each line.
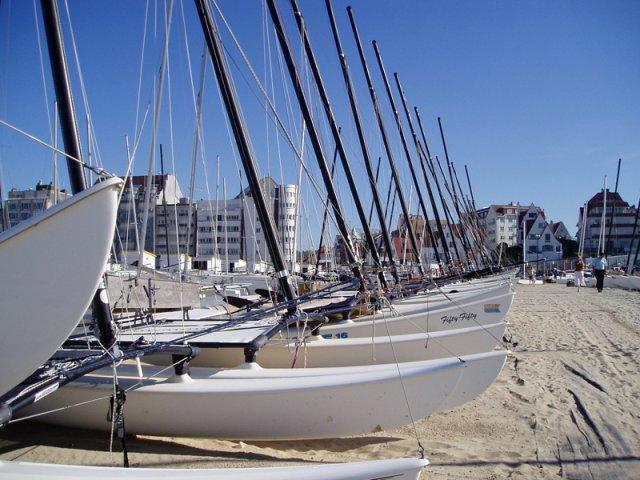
[19, 439]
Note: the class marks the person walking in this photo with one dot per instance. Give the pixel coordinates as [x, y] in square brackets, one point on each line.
[578, 272]
[599, 269]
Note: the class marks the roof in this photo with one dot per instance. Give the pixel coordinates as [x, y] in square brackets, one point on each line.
[613, 198]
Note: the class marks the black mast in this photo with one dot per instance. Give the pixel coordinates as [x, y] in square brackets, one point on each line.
[436, 215]
[434, 174]
[376, 180]
[613, 211]
[326, 209]
[334, 130]
[405, 147]
[69, 127]
[633, 234]
[315, 141]
[234, 113]
[451, 219]
[473, 200]
[466, 203]
[66, 109]
[453, 194]
[385, 140]
[361, 138]
[481, 232]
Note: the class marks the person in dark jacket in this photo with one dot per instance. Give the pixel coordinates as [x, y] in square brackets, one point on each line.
[599, 269]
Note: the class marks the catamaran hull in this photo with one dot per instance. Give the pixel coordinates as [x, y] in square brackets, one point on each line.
[433, 300]
[485, 310]
[277, 404]
[398, 469]
[320, 353]
[51, 267]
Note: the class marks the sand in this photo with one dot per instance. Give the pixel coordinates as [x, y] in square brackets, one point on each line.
[566, 405]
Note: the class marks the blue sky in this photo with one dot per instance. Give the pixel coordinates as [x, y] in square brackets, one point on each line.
[540, 99]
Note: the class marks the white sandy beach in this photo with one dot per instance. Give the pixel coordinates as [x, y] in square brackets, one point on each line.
[566, 405]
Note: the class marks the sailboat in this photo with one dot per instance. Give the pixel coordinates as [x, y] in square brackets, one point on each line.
[51, 265]
[397, 469]
[68, 299]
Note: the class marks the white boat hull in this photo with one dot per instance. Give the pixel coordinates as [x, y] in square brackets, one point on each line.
[398, 469]
[51, 267]
[482, 310]
[276, 404]
[318, 352]
[456, 293]
[622, 281]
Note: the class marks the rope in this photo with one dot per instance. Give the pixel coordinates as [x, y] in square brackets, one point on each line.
[97, 170]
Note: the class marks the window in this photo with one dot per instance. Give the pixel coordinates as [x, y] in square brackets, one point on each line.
[547, 237]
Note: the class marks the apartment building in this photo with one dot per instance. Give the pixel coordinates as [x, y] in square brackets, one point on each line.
[23, 204]
[230, 229]
[624, 218]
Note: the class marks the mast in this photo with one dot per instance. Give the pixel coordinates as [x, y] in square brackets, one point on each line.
[583, 232]
[613, 211]
[376, 182]
[434, 174]
[405, 148]
[603, 219]
[317, 147]
[524, 247]
[66, 109]
[453, 193]
[164, 210]
[633, 234]
[69, 126]
[361, 138]
[469, 220]
[234, 113]
[326, 210]
[385, 140]
[473, 200]
[334, 127]
[432, 201]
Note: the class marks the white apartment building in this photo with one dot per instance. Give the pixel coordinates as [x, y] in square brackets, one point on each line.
[512, 224]
[500, 223]
[23, 204]
[230, 229]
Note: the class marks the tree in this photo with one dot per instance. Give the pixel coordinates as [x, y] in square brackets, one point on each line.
[513, 254]
[569, 247]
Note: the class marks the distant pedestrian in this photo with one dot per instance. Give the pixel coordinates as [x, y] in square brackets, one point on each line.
[599, 269]
[532, 276]
[578, 274]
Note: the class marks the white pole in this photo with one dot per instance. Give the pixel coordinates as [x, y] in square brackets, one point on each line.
[524, 246]
[583, 233]
[216, 222]
[604, 217]
[225, 226]
[297, 210]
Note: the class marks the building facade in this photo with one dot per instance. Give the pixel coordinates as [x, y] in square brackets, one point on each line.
[24, 204]
[500, 223]
[230, 229]
[624, 217]
[165, 190]
[514, 225]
